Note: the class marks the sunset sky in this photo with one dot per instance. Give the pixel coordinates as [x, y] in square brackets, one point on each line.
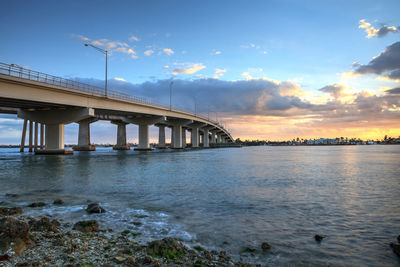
[271, 70]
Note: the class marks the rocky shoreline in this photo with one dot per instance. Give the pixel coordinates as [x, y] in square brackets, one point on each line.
[45, 241]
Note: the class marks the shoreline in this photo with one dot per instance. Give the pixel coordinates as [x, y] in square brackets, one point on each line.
[48, 241]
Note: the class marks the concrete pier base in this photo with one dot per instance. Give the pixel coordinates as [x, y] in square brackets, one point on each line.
[143, 149]
[123, 147]
[84, 148]
[54, 152]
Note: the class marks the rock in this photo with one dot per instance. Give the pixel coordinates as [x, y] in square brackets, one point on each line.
[319, 238]
[265, 246]
[4, 257]
[119, 259]
[58, 202]
[137, 223]
[8, 195]
[168, 248]
[14, 236]
[396, 248]
[87, 226]
[37, 204]
[131, 261]
[248, 250]
[10, 211]
[95, 208]
[44, 225]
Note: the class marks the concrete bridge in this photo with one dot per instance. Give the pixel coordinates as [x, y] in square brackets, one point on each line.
[48, 103]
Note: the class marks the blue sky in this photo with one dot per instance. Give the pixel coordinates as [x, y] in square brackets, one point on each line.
[306, 43]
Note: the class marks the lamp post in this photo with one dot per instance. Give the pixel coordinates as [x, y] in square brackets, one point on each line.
[105, 52]
[170, 95]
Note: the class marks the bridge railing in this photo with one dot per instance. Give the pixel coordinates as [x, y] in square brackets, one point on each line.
[24, 73]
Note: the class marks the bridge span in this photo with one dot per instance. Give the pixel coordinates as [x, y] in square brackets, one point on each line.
[48, 102]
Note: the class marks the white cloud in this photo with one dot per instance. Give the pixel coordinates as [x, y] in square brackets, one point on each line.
[168, 51]
[166, 67]
[220, 72]
[120, 79]
[148, 52]
[190, 69]
[372, 32]
[218, 52]
[134, 38]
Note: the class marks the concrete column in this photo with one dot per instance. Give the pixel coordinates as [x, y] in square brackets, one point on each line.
[195, 137]
[54, 137]
[161, 136]
[213, 137]
[183, 137]
[41, 136]
[172, 137]
[219, 139]
[205, 138]
[35, 146]
[144, 130]
[30, 135]
[84, 136]
[55, 121]
[23, 136]
[177, 136]
[121, 137]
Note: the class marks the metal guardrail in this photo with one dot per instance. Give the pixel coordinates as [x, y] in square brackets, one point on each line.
[21, 72]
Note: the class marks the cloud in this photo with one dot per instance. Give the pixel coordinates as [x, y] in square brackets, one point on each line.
[110, 46]
[192, 68]
[148, 52]
[381, 32]
[166, 67]
[394, 91]
[120, 79]
[168, 51]
[220, 72]
[218, 52]
[388, 60]
[335, 90]
[128, 51]
[134, 39]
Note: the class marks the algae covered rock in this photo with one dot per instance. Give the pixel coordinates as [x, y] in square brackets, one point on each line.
[87, 226]
[168, 248]
[14, 236]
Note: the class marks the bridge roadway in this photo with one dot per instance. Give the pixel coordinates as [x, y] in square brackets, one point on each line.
[43, 99]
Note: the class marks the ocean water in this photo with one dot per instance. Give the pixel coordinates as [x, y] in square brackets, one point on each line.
[229, 198]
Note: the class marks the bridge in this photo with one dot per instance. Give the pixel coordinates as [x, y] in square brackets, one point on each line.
[47, 102]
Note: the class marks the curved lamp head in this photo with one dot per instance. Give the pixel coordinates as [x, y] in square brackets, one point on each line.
[86, 45]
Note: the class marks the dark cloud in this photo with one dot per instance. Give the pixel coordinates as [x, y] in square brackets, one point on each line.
[335, 90]
[394, 91]
[388, 60]
[394, 75]
[387, 29]
[243, 97]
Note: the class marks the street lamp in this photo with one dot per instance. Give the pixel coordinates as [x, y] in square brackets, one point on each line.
[170, 95]
[105, 52]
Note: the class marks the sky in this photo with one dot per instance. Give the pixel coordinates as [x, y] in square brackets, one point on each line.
[273, 70]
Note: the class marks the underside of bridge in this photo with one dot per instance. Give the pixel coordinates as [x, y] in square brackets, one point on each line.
[49, 106]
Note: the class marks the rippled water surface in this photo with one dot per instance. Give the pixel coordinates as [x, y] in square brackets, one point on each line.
[229, 199]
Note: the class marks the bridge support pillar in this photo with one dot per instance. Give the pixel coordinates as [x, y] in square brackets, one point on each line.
[219, 139]
[161, 136]
[176, 141]
[213, 137]
[54, 130]
[144, 129]
[144, 145]
[84, 136]
[206, 139]
[121, 136]
[183, 137]
[195, 137]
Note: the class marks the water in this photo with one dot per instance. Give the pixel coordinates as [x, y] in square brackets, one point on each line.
[229, 199]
